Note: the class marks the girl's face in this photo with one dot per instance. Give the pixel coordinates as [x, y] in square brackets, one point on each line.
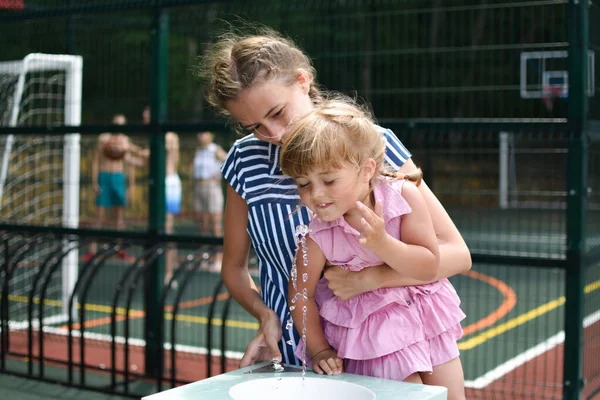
[333, 192]
[266, 108]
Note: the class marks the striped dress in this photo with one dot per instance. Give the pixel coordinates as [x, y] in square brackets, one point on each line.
[252, 170]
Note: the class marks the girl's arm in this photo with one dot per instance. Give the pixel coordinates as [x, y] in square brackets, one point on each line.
[455, 257]
[324, 359]
[454, 253]
[239, 283]
[416, 255]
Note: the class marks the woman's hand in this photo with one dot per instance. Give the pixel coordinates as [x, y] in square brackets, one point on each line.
[264, 345]
[348, 284]
[327, 362]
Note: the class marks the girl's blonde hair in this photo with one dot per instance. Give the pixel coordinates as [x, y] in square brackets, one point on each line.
[236, 62]
[337, 133]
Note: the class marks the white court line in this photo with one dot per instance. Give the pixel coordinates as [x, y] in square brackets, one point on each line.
[535, 351]
[22, 325]
[482, 236]
[237, 355]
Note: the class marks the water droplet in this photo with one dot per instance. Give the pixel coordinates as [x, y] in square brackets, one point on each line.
[301, 232]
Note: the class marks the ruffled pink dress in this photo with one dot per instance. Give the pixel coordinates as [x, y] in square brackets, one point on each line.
[387, 333]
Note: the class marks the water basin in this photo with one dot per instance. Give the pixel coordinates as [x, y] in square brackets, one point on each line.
[296, 388]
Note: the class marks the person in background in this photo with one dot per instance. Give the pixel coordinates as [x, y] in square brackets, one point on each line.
[172, 191]
[208, 193]
[114, 158]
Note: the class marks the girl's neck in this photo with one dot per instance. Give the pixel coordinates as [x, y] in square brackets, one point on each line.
[353, 216]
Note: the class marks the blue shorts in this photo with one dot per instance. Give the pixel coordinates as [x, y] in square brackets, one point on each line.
[112, 189]
[173, 194]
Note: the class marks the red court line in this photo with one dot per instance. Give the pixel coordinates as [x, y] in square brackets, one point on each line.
[542, 376]
[510, 300]
[199, 302]
[103, 321]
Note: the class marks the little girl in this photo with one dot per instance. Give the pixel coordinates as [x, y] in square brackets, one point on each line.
[364, 216]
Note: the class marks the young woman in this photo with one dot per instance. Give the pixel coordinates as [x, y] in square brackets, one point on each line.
[262, 82]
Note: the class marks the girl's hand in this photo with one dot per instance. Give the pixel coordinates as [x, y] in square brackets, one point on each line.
[327, 362]
[372, 232]
[264, 345]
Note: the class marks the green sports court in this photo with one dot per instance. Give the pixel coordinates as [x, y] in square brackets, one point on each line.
[496, 100]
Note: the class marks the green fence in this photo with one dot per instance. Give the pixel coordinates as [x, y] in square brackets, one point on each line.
[495, 99]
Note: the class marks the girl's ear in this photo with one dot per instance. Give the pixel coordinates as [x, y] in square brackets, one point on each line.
[369, 169]
[304, 79]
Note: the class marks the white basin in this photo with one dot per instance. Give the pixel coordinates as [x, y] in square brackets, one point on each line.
[296, 388]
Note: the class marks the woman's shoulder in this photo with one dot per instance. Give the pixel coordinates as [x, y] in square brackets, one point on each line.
[397, 154]
[381, 129]
[247, 146]
[250, 144]
[250, 141]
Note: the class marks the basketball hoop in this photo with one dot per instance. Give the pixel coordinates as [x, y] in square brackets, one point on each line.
[12, 5]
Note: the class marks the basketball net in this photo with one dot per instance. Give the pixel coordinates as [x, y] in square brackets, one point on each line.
[551, 93]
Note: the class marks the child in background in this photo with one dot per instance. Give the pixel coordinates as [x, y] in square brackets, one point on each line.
[364, 216]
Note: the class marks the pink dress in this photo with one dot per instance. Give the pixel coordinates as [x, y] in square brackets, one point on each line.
[387, 333]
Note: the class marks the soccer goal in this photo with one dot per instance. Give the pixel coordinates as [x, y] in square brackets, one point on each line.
[39, 174]
[532, 171]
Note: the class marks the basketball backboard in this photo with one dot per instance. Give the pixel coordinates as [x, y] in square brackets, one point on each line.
[545, 73]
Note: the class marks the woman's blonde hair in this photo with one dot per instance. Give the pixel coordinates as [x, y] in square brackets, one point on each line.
[236, 62]
[337, 133]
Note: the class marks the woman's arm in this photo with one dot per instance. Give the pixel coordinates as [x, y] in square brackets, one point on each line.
[239, 283]
[455, 257]
[324, 359]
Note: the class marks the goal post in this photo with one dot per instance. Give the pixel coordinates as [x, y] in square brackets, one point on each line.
[39, 174]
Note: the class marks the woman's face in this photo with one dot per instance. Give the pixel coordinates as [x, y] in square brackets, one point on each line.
[267, 108]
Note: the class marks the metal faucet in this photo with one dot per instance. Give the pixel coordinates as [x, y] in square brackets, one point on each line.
[276, 365]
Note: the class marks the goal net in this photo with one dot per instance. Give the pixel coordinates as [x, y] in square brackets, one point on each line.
[39, 173]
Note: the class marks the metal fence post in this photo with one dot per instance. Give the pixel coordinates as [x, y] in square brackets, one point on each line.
[156, 220]
[577, 183]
